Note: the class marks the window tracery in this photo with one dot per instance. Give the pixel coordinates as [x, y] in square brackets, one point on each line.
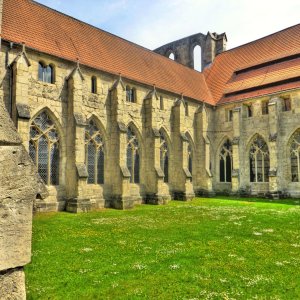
[133, 156]
[94, 148]
[259, 161]
[226, 162]
[44, 148]
[164, 157]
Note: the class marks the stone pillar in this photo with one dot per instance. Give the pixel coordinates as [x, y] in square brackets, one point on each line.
[120, 195]
[274, 106]
[76, 169]
[236, 122]
[182, 187]
[20, 107]
[202, 145]
[157, 192]
[18, 188]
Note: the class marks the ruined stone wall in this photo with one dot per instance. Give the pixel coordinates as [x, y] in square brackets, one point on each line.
[211, 45]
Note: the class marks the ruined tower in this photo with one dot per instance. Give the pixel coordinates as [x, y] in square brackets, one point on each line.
[211, 45]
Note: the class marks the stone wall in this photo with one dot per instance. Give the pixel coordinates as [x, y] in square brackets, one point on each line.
[18, 188]
[276, 128]
[70, 104]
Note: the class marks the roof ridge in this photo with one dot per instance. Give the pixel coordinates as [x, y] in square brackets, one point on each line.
[111, 34]
[261, 38]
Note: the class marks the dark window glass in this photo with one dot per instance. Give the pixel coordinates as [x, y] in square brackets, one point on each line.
[287, 104]
[161, 102]
[137, 167]
[94, 85]
[265, 107]
[100, 167]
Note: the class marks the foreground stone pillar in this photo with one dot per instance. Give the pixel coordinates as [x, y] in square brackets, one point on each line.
[18, 188]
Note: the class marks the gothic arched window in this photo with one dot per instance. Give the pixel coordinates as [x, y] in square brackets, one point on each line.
[94, 153]
[226, 162]
[259, 161]
[295, 157]
[164, 157]
[44, 148]
[133, 156]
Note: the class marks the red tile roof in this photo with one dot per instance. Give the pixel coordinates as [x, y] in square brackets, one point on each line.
[222, 77]
[232, 76]
[51, 32]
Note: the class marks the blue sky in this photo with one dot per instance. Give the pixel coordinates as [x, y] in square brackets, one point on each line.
[152, 23]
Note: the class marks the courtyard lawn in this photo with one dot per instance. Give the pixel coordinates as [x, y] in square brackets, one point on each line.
[204, 249]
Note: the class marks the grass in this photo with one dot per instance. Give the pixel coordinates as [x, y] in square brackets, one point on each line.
[204, 249]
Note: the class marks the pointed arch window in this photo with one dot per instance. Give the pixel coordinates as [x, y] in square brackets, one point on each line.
[133, 156]
[94, 154]
[164, 157]
[46, 73]
[44, 148]
[226, 162]
[295, 157]
[259, 161]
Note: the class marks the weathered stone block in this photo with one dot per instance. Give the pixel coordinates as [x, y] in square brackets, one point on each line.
[12, 285]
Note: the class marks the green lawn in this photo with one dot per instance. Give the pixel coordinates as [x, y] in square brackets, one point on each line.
[205, 249]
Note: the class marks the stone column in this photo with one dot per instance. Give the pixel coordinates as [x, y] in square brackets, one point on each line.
[18, 188]
[119, 195]
[20, 107]
[182, 187]
[76, 169]
[274, 105]
[236, 122]
[157, 192]
[202, 144]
